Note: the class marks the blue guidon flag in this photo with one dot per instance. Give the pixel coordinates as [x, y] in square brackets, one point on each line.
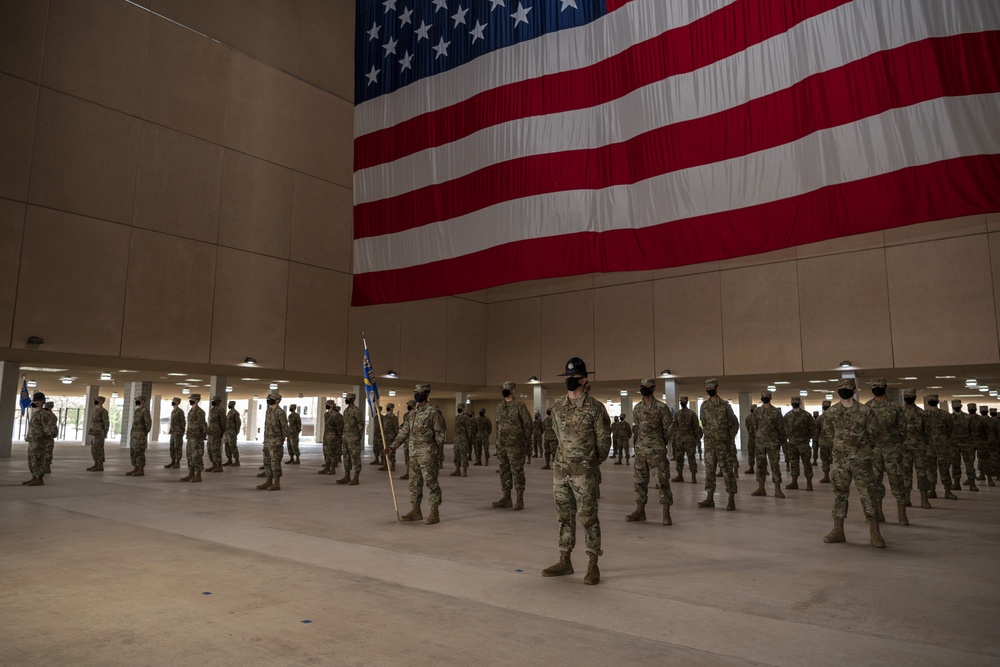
[497, 141]
[371, 389]
[25, 396]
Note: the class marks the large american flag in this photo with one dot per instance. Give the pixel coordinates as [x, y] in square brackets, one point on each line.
[504, 140]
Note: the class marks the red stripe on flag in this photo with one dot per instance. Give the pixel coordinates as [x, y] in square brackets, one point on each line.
[946, 189]
[612, 5]
[719, 35]
[886, 80]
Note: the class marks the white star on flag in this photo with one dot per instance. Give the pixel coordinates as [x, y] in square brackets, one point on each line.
[440, 4]
[390, 6]
[441, 49]
[496, 3]
[373, 33]
[390, 47]
[521, 15]
[404, 18]
[477, 31]
[404, 62]
[373, 75]
[459, 17]
[568, 3]
[422, 31]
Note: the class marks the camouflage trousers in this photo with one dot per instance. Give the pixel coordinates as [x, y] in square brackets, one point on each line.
[847, 466]
[377, 447]
[549, 445]
[723, 455]
[229, 441]
[215, 449]
[800, 451]
[886, 461]
[352, 455]
[96, 443]
[955, 453]
[423, 466]
[461, 452]
[938, 461]
[752, 450]
[685, 447]
[768, 454]
[273, 451]
[293, 444]
[576, 495]
[331, 452]
[826, 456]
[50, 447]
[968, 455]
[196, 454]
[995, 458]
[477, 446]
[136, 450]
[36, 458]
[511, 467]
[536, 444]
[176, 446]
[985, 465]
[914, 459]
[657, 464]
[624, 449]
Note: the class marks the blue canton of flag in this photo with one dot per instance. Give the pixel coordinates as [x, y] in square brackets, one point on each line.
[25, 396]
[371, 389]
[398, 42]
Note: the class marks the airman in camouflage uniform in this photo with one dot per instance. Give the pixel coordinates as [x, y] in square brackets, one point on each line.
[770, 429]
[230, 437]
[720, 426]
[275, 432]
[583, 432]
[513, 436]
[886, 458]
[333, 438]
[653, 422]
[197, 429]
[962, 448]
[483, 429]
[938, 426]
[852, 429]
[461, 446]
[751, 440]
[294, 429]
[177, 425]
[824, 444]
[984, 444]
[42, 430]
[138, 438]
[423, 431]
[621, 434]
[354, 431]
[549, 439]
[801, 429]
[390, 427]
[410, 406]
[994, 442]
[98, 431]
[685, 436]
[216, 427]
[537, 429]
[51, 446]
[914, 451]
[378, 450]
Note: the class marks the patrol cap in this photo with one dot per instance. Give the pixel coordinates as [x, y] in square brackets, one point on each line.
[576, 366]
[422, 388]
[329, 403]
[140, 397]
[982, 409]
[49, 404]
[910, 392]
[956, 402]
[276, 396]
[411, 402]
[877, 382]
[765, 393]
[195, 397]
[993, 411]
[390, 406]
[292, 407]
[648, 383]
[101, 399]
[174, 399]
[232, 404]
[931, 397]
[683, 399]
[350, 394]
[847, 383]
[509, 386]
[217, 398]
[711, 383]
[971, 406]
[826, 404]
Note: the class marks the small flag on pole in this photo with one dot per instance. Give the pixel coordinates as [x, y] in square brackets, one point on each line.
[371, 389]
[25, 396]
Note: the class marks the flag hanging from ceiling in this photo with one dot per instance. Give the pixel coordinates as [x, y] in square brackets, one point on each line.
[498, 140]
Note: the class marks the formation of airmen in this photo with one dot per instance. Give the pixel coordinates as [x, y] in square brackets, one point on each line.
[850, 441]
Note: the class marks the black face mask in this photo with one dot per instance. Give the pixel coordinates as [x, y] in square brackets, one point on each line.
[348, 400]
[409, 408]
[933, 404]
[684, 405]
[420, 398]
[765, 399]
[271, 401]
[192, 401]
[972, 411]
[645, 391]
[710, 392]
[138, 402]
[845, 393]
[505, 392]
[215, 403]
[795, 406]
[36, 405]
[174, 405]
[825, 408]
[909, 400]
[572, 384]
[97, 402]
[878, 391]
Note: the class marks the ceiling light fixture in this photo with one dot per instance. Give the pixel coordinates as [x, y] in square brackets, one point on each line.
[249, 361]
[803, 393]
[32, 383]
[771, 387]
[391, 373]
[272, 386]
[229, 389]
[665, 373]
[785, 382]
[845, 364]
[105, 376]
[35, 340]
[66, 380]
[533, 379]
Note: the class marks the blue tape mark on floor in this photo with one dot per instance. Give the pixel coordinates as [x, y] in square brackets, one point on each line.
[206, 592]
[307, 621]
[519, 570]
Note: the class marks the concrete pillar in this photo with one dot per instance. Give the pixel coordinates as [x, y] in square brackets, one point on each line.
[9, 396]
[320, 414]
[627, 403]
[217, 387]
[154, 412]
[538, 399]
[132, 391]
[90, 394]
[251, 420]
[745, 404]
[670, 389]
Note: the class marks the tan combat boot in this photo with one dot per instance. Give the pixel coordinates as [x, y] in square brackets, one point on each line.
[132, 471]
[413, 515]
[901, 514]
[679, 478]
[354, 480]
[948, 495]
[667, 521]
[177, 464]
[778, 493]
[638, 515]
[275, 485]
[465, 472]
[760, 490]
[505, 501]
[708, 502]
[837, 534]
[876, 536]
[383, 467]
[593, 576]
[457, 473]
[563, 567]
[265, 486]
[924, 504]
[196, 478]
[519, 503]
[98, 468]
[731, 505]
[794, 486]
[826, 477]
[187, 477]
[434, 517]
[262, 474]
[139, 472]
[35, 481]
[169, 465]
[346, 478]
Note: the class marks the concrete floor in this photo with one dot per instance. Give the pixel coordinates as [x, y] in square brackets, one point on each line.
[103, 569]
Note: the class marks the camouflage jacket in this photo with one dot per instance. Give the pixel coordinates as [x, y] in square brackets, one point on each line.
[275, 426]
[294, 423]
[177, 421]
[888, 423]
[142, 422]
[473, 429]
[42, 428]
[799, 427]
[549, 431]
[423, 429]
[196, 426]
[621, 432]
[537, 427]
[651, 424]
[961, 434]
[390, 426]
[216, 421]
[938, 427]
[233, 422]
[583, 433]
[769, 426]
[980, 430]
[462, 435]
[513, 424]
[686, 426]
[334, 427]
[484, 427]
[852, 430]
[719, 422]
[914, 434]
[99, 422]
[354, 423]
[821, 437]
[748, 425]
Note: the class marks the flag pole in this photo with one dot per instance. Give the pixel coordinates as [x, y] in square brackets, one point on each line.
[378, 418]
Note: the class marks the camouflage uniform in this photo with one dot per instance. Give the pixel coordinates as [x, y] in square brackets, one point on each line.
[42, 430]
[621, 433]
[549, 440]
[333, 437]
[686, 435]
[461, 447]
[824, 443]
[294, 429]
[914, 451]
[994, 442]
[233, 425]
[177, 425]
[51, 445]
[513, 423]
[852, 431]
[216, 427]
[982, 434]
[962, 446]
[938, 427]
[483, 429]
[138, 438]
[424, 431]
[720, 426]
[406, 444]
[652, 422]
[536, 436]
[197, 429]
[751, 440]
[390, 427]
[771, 434]
[354, 430]
[800, 428]
[886, 459]
[275, 431]
[98, 431]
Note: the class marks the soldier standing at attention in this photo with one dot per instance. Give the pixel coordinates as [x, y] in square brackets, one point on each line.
[984, 445]
[914, 452]
[886, 458]
[423, 434]
[614, 439]
[720, 426]
[142, 422]
[485, 428]
[751, 440]
[769, 426]
[801, 429]
[216, 427]
[51, 445]
[333, 431]
[852, 429]
[197, 428]
[686, 435]
[377, 439]
[538, 429]
[938, 426]
[177, 425]
[42, 430]
[962, 448]
[624, 435]
[410, 405]
[275, 432]
[230, 437]
[98, 431]
[390, 427]
[824, 444]
[549, 440]
[652, 421]
[583, 433]
[513, 438]
[294, 429]
[354, 430]
[462, 436]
